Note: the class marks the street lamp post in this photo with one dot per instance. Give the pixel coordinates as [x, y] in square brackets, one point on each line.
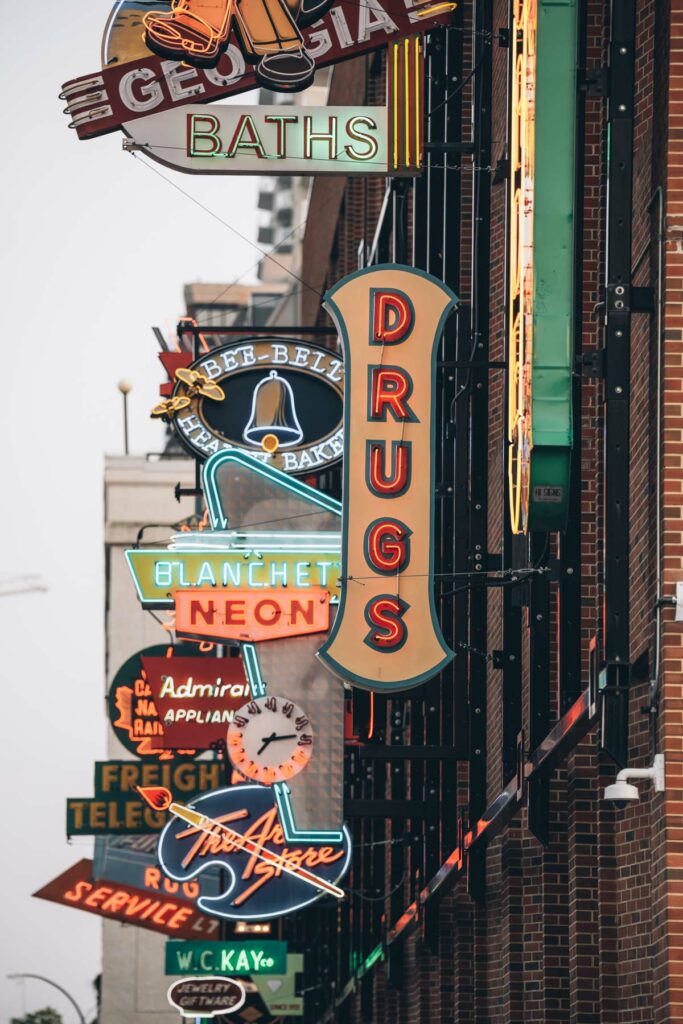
[59, 988]
[125, 387]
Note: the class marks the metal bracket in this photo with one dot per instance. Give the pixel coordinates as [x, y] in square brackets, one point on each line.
[642, 300]
[504, 38]
[521, 760]
[591, 364]
[413, 753]
[501, 171]
[448, 147]
[594, 81]
[498, 659]
[187, 492]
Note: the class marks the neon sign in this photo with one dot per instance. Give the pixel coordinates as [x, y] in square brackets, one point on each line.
[206, 997]
[386, 635]
[267, 956]
[134, 82]
[133, 700]
[170, 916]
[282, 399]
[160, 574]
[227, 139]
[195, 698]
[541, 311]
[267, 875]
[252, 615]
[116, 808]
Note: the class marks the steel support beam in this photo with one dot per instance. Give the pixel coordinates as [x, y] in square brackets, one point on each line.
[479, 400]
[616, 394]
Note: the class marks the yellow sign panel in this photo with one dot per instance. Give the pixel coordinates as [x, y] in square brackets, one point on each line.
[158, 573]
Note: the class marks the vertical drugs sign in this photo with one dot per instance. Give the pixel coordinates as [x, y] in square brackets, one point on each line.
[386, 635]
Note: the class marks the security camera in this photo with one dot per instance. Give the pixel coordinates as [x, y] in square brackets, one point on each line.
[622, 792]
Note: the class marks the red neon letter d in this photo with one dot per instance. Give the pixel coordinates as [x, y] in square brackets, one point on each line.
[392, 316]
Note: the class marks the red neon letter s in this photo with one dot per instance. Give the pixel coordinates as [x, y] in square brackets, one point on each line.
[392, 317]
[384, 614]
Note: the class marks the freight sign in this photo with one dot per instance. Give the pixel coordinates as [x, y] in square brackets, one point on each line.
[116, 808]
[541, 315]
[266, 956]
[386, 635]
[252, 615]
[206, 997]
[120, 902]
[227, 139]
[195, 698]
[256, 888]
[283, 402]
[162, 67]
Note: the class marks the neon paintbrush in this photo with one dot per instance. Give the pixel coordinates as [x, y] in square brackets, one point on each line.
[161, 799]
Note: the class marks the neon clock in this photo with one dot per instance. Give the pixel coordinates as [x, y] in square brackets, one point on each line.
[270, 740]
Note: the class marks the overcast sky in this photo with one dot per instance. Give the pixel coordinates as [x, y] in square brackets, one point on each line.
[95, 250]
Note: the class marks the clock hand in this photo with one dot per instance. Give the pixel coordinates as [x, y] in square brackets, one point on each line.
[266, 740]
[292, 736]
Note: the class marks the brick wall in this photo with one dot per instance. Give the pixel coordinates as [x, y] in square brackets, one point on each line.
[590, 927]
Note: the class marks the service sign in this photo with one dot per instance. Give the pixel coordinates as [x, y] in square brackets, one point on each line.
[258, 956]
[282, 402]
[169, 915]
[173, 55]
[252, 615]
[229, 139]
[255, 889]
[117, 809]
[386, 635]
[195, 698]
[206, 997]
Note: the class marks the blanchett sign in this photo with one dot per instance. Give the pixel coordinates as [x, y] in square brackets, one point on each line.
[386, 635]
[252, 615]
[160, 575]
[117, 809]
[170, 916]
[195, 698]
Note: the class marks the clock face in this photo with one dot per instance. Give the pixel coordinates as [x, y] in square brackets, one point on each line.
[270, 740]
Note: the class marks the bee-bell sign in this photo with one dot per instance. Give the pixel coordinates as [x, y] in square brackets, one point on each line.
[386, 635]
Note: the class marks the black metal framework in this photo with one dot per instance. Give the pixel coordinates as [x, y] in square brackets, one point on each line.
[616, 394]
[404, 804]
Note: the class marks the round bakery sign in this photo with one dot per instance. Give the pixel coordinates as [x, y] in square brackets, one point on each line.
[280, 400]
